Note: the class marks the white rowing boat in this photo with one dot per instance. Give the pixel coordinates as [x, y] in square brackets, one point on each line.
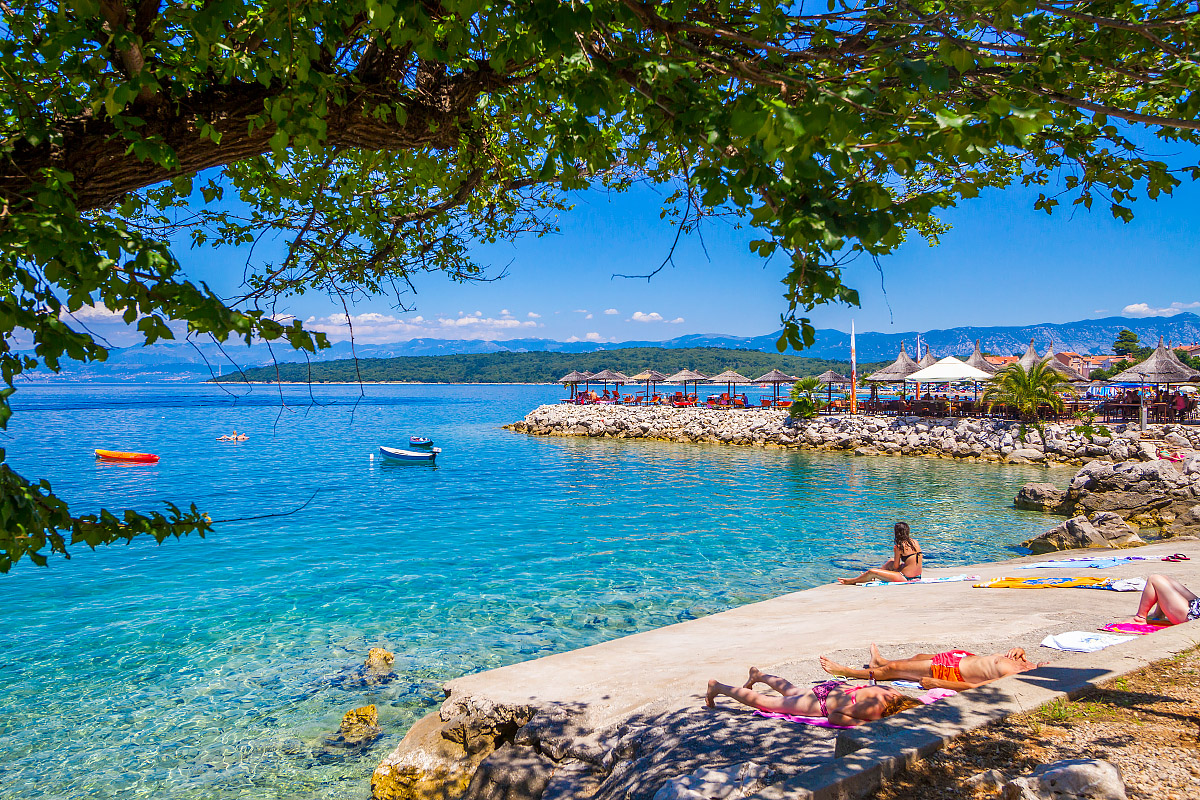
[396, 454]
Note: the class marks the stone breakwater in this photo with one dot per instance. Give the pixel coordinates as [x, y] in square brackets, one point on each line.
[964, 438]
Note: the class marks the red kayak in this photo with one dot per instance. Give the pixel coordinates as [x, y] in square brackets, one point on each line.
[117, 455]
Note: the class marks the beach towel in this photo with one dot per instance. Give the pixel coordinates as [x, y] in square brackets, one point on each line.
[1082, 641]
[908, 684]
[819, 722]
[1119, 584]
[1094, 562]
[1042, 583]
[933, 695]
[1136, 628]
[943, 579]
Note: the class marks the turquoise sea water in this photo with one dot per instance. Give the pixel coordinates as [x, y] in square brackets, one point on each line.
[209, 668]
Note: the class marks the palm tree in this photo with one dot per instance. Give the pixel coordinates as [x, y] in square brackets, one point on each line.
[1027, 392]
[804, 400]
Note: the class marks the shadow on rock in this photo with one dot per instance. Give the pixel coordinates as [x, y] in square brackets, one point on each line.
[636, 759]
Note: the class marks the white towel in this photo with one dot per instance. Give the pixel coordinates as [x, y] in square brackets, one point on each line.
[1128, 585]
[1083, 641]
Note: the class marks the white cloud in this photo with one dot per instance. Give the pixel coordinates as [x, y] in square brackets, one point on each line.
[1146, 310]
[375, 328]
[581, 311]
[675, 321]
[504, 312]
[588, 337]
[98, 312]
[532, 315]
[653, 316]
[611, 311]
[589, 316]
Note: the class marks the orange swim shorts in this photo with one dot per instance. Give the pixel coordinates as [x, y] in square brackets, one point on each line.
[945, 665]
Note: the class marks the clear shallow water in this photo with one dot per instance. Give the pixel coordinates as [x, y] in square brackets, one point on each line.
[207, 668]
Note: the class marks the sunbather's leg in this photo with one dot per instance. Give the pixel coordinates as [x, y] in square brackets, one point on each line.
[799, 705]
[877, 659]
[781, 685]
[907, 670]
[1171, 597]
[874, 574]
[887, 575]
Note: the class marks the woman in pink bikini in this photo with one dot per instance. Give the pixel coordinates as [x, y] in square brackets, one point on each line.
[834, 700]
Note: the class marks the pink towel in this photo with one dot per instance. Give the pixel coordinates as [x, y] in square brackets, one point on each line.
[1132, 627]
[933, 695]
[820, 722]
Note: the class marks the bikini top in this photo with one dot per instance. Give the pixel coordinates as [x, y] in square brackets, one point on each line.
[910, 555]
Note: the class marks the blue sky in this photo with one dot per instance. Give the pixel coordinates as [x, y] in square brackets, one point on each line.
[1002, 264]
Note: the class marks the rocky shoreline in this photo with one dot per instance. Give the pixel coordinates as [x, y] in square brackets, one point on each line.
[969, 439]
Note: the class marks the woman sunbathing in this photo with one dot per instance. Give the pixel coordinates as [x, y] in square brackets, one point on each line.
[905, 563]
[834, 700]
[955, 669]
[1174, 601]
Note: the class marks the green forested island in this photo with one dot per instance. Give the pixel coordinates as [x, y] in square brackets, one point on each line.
[540, 367]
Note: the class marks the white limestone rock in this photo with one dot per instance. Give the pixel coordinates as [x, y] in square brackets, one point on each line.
[1080, 779]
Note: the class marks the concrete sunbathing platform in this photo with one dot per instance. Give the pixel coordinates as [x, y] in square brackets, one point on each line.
[622, 717]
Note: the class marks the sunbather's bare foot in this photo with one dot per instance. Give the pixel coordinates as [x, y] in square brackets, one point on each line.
[1134, 620]
[711, 695]
[876, 659]
[833, 668]
[846, 581]
[755, 677]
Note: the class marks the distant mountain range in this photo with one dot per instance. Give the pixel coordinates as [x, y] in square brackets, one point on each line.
[181, 361]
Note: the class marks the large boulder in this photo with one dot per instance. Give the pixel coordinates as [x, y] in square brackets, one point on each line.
[1102, 530]
[1115, 531]
[511, 773]
[1040, 497]
[1149, 493]
[1081, 779]
[1186, 524]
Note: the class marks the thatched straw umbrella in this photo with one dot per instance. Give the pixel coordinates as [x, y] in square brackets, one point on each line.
[649, 377]
[686, 376]
[731, 379]
[1030, 358]
[775, 377]
[1062, 369]
[608, 376]
[977, 361]
[927, 360]
[895, 372]
[1163, 366]
[829, 378]
[573, 379]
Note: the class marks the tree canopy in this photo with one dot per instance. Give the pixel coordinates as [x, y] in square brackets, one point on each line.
[538, 367]
[384, 139]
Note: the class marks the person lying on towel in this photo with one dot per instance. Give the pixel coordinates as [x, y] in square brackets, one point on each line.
[1165, 597]
[834, 700]
[955, 669]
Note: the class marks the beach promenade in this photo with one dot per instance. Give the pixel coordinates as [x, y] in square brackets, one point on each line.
[622, 717]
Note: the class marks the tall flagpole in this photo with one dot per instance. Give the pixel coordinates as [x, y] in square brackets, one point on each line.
[853, 373]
